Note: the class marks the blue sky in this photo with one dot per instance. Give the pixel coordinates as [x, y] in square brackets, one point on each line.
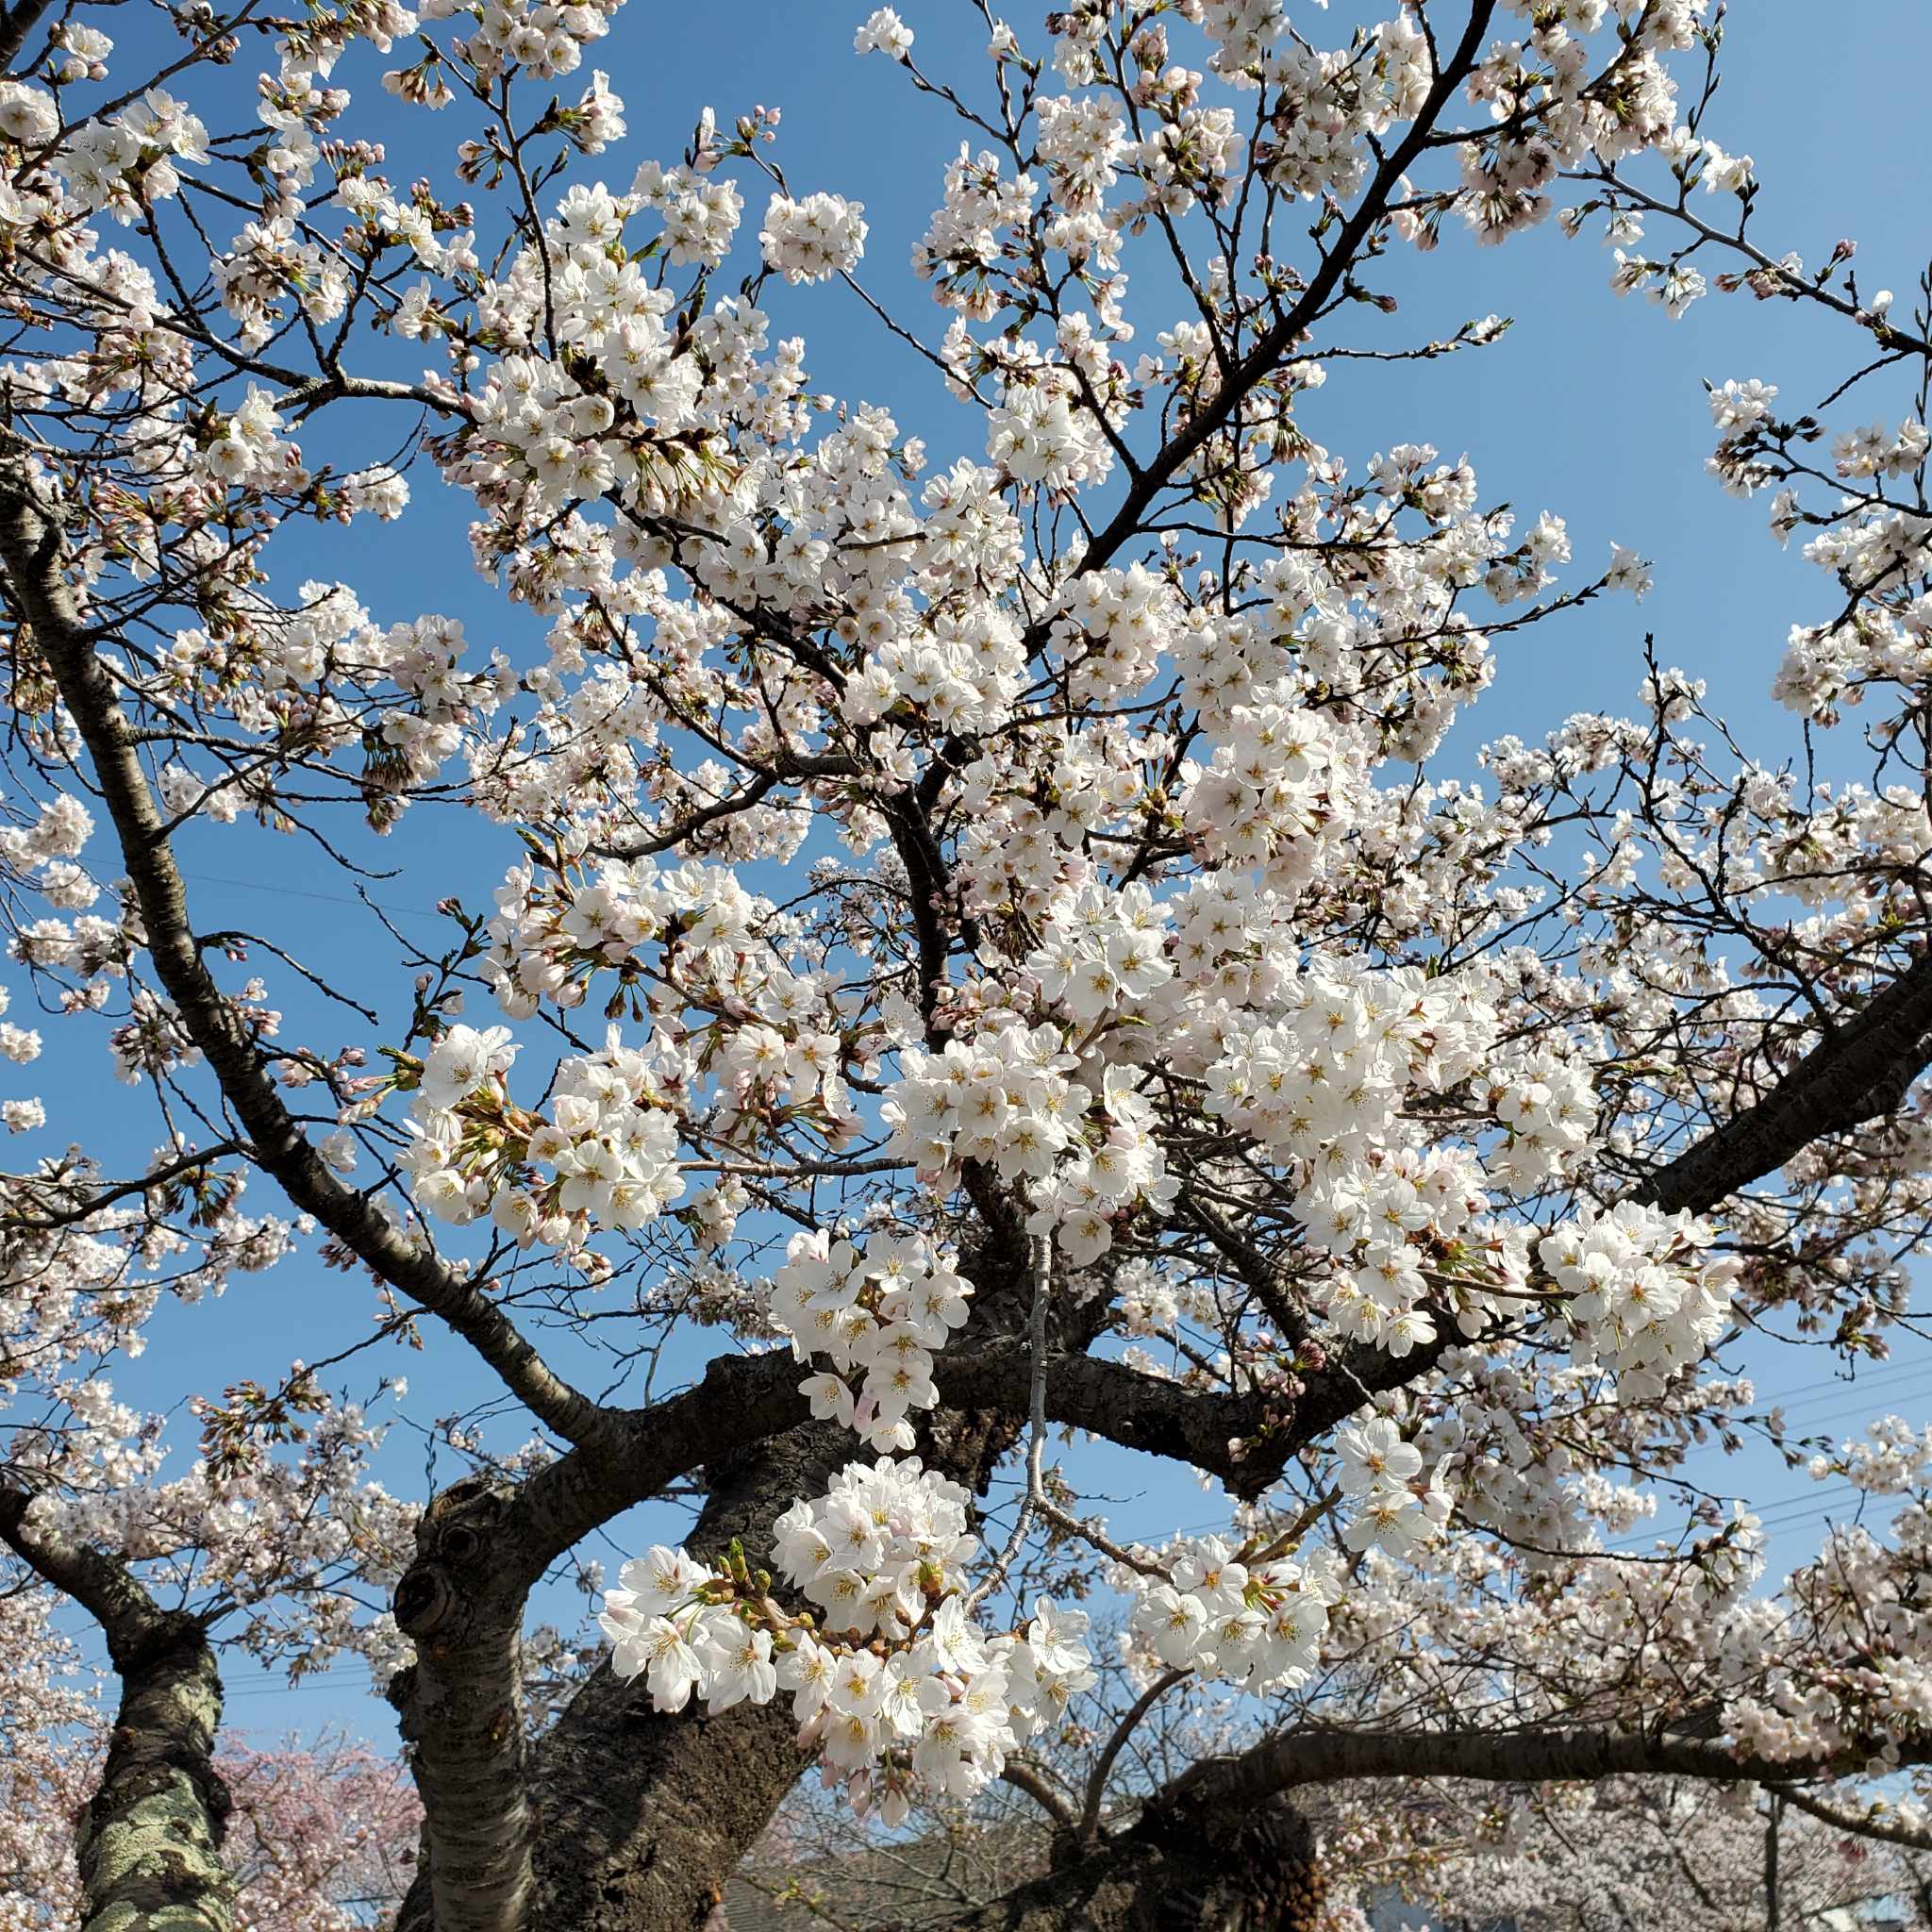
[1592, 408]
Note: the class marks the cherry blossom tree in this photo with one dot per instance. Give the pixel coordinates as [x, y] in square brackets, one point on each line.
[991, 953]
[49, 1758]
[322, 1836]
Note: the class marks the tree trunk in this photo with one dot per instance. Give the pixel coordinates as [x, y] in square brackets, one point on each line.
[461, 1709]
[149, 1842]
[647, 1815]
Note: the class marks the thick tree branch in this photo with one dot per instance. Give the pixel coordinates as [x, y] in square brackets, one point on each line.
[742, 1401]
[16, 23]
[1246, 1437]
[1872, 1825]
[1022, 1777]
[1863, 1068]
[1323, 1755]
[619, 1773]
[613, 1769]
[33, 556]
[661, 1809]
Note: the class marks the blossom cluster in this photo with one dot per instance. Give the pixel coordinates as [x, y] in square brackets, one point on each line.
[1647, 1299]
[1255, 1622]
[1007, 1097]
[882, 1312]
[610, 1143]
[131, 161]
[812, 239]
[545, 39]
[890, 1679]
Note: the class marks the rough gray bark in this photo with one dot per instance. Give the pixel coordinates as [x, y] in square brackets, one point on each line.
[636, 1819]
[507, 1828]
[149, 1844]
[461, 1711]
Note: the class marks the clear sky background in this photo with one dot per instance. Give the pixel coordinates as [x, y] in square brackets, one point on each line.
[1592, 408]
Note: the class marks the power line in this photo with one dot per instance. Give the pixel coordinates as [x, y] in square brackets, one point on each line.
[1886, 1381]
[313, 1680]
[208, 878]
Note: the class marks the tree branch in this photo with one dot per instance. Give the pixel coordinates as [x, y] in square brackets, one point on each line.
[1891, 1831]
[1103, 1765]
[1022, 1777]
[1862, 1069]
[661, 1807]
[16, 23]
[1271, 347]
[1318, 1755]
[33, 554]
[1246, 1437]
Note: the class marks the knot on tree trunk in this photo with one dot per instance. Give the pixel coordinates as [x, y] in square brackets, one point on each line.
[425, 1599]
[457, 1561]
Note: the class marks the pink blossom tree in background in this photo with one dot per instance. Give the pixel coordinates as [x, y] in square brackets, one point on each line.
[50, 1727]
[989, 957]
[323, 1836]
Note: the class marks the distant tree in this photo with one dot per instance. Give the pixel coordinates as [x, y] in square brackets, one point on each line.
[323, 1836]
[50, 1755]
